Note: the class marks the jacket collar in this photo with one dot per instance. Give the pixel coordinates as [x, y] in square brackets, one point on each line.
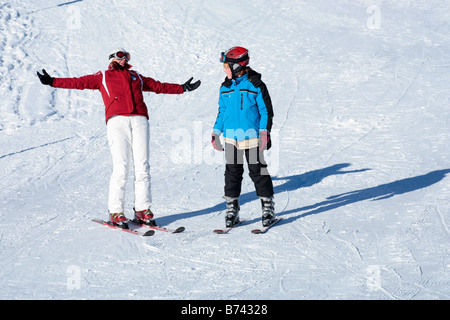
[244, 77]
[228, 82]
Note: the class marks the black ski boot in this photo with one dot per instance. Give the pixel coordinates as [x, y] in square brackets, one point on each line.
[268, 211]
[232, 213]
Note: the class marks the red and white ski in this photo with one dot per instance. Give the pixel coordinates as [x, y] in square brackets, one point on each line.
[129, 230]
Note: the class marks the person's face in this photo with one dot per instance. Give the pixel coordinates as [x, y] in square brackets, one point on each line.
[227, 70]
[122, 62]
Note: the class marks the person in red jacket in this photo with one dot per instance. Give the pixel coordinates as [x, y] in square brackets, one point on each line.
[126, 116]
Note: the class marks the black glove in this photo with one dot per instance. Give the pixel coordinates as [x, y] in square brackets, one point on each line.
[188, 86]
[45, 78]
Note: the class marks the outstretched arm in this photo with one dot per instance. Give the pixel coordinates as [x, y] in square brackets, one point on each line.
[86, 82]
[151, 84]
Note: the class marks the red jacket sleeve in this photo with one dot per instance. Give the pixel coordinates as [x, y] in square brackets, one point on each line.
[93, 81]
[161, 87]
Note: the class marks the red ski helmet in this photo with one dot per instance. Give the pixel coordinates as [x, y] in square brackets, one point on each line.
[236, 57]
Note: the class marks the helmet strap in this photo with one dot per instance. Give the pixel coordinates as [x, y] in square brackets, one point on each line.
[236, 69]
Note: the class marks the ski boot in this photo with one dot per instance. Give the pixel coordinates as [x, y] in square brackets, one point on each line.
[144, 217]
[232, 213]
[268, 211]
[118, 220]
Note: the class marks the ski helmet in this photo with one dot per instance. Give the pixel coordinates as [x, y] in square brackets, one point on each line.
[119, 53]
[236, 57]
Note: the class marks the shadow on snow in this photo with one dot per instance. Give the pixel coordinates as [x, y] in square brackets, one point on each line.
[311, 178]
[377, 193]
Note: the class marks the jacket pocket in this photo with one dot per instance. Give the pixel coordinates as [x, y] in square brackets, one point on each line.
[111, 102]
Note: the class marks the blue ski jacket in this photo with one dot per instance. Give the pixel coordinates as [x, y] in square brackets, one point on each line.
[245, 108]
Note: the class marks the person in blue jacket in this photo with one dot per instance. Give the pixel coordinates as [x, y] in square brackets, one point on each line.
[245, 120]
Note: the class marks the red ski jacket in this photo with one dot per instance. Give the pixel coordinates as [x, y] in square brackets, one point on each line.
[121, 89]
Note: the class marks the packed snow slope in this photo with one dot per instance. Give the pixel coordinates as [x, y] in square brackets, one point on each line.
[360, 162]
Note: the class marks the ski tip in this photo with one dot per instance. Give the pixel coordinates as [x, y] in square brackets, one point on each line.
[264, 229]
[149, 233]
[179, 229]
[219, 231]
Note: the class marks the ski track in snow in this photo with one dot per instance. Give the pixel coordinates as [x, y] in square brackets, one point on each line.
[360, 161]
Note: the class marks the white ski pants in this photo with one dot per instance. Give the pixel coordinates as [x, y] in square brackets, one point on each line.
[129, 141]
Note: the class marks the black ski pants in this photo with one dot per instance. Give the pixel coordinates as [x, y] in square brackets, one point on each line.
[257, 167]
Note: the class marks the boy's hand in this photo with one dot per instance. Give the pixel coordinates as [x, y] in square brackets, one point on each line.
[215, 141]
[264, 140]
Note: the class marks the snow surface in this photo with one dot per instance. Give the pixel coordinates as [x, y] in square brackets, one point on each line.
[360, 162]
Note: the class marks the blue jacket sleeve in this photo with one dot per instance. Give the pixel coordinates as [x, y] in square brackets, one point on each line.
[218, 126]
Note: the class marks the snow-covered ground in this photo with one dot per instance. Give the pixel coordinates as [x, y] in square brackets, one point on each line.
[360, 162]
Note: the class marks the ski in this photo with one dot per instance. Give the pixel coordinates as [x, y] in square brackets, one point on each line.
[159, 228]
[264, 229]
[132, 231]
[226, 230]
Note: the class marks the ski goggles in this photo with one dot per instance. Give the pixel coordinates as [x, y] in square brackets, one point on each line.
[121, 55]
[222, 57]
